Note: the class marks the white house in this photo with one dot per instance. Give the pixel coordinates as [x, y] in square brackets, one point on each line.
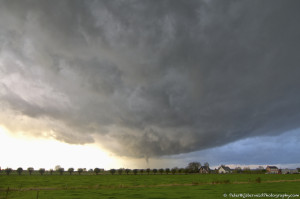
[288, 171]
[224, 169]
[272, 170]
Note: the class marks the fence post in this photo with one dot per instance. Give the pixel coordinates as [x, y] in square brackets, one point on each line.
[7, 193]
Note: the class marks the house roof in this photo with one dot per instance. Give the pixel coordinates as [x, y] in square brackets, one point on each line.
[205, 168]
[272, 167]
[225, 168]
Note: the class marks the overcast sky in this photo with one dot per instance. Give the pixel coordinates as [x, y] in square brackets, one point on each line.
[155, 79]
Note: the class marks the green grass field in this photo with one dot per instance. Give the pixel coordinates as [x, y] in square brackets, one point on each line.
[144, 186]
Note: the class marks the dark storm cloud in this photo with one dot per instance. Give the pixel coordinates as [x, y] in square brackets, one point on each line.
[145, 78]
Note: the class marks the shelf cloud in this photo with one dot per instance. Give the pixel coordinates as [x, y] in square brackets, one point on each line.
[147, 78]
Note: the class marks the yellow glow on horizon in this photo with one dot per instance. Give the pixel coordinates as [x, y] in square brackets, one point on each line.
[21, 151]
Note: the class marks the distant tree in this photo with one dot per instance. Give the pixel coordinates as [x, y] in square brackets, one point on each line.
[148, 170]
[135, 171]
[260, 167]
[97, 171]
[259, 170]
[154, 171]
[173, 171]
[167, 170]
[186, 170]
[246, 170]
[20, 170]
[8, 171]
[298, 169]
[30, 170]
[120, 171]
[61, 171]
[206, 164]
[194, 167]
[51, 171]
[57, 167]
[71, 170]
[142, 171]
[127, 171]
[180, 170]
[112, 171]
[161, 171]
[79, 170]
[237, 170]
[41, 171]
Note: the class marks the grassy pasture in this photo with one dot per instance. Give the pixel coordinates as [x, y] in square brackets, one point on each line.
[144, 186]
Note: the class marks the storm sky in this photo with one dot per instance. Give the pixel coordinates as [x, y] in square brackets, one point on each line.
[148, 78]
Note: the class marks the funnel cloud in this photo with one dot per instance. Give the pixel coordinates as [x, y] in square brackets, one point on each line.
[147, 78]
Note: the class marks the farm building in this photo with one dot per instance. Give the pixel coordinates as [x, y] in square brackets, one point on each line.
[204, 170]
[224, 169]
[272, 170]
[288, 171]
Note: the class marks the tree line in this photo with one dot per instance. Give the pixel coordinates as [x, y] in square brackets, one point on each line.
[192, 167]
[79, 171]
